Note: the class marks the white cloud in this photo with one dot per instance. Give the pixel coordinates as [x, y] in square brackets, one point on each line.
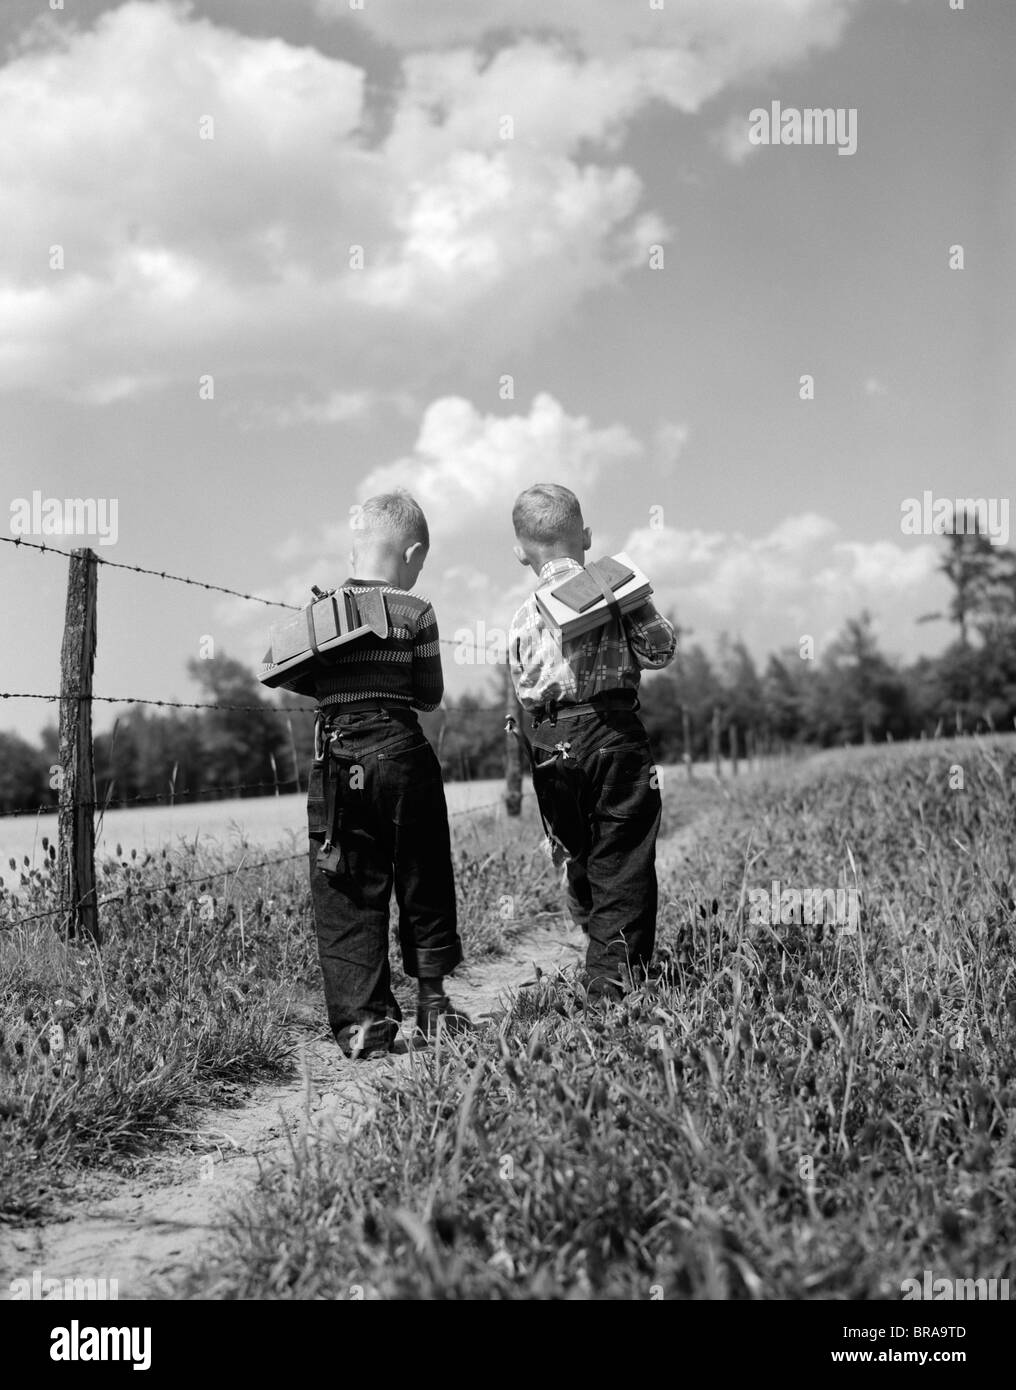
[801, 578]
[184, 256]
[467, 468]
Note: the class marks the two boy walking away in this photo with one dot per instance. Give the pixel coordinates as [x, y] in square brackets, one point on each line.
[376, 811]
[582, 694]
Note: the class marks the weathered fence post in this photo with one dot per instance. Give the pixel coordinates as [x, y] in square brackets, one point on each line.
[512, 751]
[733, 750]
[715, 740]
[76, 822]
[686, 738]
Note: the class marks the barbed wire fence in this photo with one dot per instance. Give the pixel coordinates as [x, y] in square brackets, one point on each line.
[79, 901]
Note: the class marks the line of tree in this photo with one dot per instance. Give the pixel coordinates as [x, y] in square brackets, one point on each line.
[851, 693]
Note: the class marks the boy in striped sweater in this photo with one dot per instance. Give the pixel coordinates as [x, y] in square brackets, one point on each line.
[376, 808]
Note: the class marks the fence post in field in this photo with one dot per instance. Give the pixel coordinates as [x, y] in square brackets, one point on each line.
[714, 739]
[76, 824]
[733, 750]
[686, 737]
[512, 751]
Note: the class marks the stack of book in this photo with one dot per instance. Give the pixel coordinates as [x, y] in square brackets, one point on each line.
[576, 605]
[331, 621]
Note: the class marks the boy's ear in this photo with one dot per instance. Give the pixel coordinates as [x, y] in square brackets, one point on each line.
[411, 553]
[519, 554]
[587, 538]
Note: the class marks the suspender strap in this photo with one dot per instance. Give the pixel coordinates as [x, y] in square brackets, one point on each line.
[329, 856]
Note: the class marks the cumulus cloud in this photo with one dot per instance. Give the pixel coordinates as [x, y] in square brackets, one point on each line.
[467, 468]
[803, 577]
[183, 256]
[138, 253]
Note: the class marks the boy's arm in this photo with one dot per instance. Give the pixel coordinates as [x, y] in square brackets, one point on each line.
[538, 668]
[652, 639]
[428, 679]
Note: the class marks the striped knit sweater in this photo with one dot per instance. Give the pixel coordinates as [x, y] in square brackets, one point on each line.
[402, 669]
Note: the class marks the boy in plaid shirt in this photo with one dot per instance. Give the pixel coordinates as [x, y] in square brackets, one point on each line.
[582, 694]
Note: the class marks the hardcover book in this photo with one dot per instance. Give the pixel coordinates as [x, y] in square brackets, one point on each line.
[331, 621]
[576, 605]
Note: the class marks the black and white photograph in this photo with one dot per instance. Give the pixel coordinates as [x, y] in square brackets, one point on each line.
[507, 673]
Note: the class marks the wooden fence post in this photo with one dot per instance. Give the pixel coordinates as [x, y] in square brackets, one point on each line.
[715, 740]
[512, 751]
[76, 822]
[733, 750]
[686, 737]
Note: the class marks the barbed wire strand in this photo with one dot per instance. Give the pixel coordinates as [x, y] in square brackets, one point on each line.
[173, 796]
[203, 795]
[158, 574]
[159, 888]
[206, 878]
[20, 542]
[211, 704]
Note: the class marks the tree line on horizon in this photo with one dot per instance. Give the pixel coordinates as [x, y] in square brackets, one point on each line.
[851, 694]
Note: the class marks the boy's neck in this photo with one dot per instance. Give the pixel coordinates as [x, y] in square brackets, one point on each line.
[375, 566]
[546, 557]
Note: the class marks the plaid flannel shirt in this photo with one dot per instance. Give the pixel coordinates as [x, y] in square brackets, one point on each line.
[610, 657]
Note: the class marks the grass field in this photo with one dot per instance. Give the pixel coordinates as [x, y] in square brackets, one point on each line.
[788, 1110]
[267, 821]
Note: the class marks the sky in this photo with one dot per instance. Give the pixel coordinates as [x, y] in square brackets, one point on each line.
[260, 259]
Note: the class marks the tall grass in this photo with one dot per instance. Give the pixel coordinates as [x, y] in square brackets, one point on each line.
[189, 999]
[786, 1111]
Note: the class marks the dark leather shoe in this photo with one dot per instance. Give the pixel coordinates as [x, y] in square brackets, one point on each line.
[438, 1011]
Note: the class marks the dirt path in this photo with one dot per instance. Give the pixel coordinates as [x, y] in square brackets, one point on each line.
[143, 1230]
[153, 1225]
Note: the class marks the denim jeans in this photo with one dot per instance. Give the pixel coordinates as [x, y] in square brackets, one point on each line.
[392, 830]
[612, 893]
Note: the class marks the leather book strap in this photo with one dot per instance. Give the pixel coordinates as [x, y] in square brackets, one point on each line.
[598, 578]
[311, 634]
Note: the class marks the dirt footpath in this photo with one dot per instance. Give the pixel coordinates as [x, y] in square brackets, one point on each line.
[142, 1230]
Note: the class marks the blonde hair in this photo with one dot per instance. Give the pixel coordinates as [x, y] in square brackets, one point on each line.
[546, 512]
[397, 514]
